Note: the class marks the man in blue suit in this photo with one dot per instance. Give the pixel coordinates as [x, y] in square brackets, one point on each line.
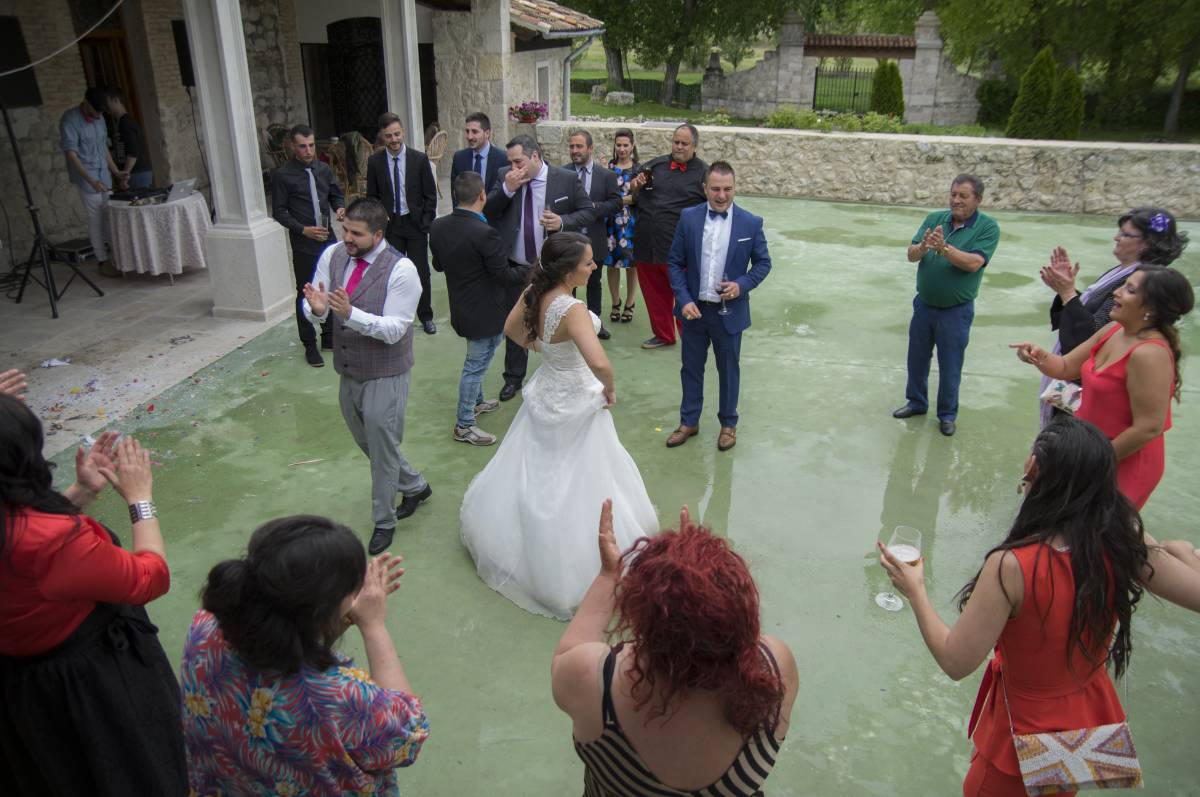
[718, 256]
[479, 156]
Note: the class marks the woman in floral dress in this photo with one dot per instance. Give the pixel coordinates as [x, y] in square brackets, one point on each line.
[620, 228]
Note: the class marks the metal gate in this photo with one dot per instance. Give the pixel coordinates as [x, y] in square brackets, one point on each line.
[847, 90]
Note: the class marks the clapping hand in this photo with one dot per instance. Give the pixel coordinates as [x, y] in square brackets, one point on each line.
[339, 302]
[937, 239]
[12, 383]
[131, 475]
[318, 298]
[610, 554]
[90, 465]
[1060, 275]
[382, 579]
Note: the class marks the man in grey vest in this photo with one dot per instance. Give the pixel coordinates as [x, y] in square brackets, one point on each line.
[373, 307]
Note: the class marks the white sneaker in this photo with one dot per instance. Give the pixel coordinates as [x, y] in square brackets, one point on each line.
[487, 406]
[473, 435]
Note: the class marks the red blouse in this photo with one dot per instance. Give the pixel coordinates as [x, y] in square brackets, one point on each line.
[53, 572]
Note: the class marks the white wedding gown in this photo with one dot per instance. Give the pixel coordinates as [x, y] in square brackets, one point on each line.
[530, 517]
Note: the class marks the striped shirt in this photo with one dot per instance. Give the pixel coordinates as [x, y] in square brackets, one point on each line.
[612, 768]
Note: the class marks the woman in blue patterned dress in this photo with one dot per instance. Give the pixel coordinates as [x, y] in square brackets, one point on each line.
[269, 707]
[620, 228]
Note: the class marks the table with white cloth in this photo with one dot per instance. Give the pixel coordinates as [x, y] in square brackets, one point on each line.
[159, 239]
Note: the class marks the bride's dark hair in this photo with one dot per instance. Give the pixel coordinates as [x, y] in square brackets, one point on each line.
[561, 254]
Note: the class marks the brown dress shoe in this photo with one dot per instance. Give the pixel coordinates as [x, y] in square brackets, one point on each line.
[680, 435]
[727, 439]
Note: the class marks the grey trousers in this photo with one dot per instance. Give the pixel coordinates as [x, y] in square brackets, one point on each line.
[374, 411]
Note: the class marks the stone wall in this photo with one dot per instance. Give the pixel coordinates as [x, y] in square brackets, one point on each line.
[1045, 176]
[522, 85]
[273, 55]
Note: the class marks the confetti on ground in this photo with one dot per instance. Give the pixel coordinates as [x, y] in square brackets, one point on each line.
[54, 362]
[149, 408]
[658, 428]
[305, 462]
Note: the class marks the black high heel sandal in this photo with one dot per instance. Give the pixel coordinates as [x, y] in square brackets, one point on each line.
[615, 315]
[627, 316]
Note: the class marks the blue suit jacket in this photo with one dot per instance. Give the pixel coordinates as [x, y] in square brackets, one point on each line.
[464, 161]
[746, 261]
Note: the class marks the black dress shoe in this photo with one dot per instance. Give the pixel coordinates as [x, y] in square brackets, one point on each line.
[905, 412]
[508, 391]
[381, 540]
[409, 503]
[429, 327]
[947, 428]
[603, 334]
[312, 355]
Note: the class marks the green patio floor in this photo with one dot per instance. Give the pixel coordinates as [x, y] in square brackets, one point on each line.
[820, 471]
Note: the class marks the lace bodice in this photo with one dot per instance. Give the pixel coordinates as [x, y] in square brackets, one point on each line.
[562, 356]
[564, 379]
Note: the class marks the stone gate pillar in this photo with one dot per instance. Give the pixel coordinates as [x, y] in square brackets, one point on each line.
[794, 84]
[401, 68]
[921, 92]
[246, 250]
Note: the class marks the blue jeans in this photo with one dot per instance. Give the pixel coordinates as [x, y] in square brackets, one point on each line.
[470, 385]
[949, 330]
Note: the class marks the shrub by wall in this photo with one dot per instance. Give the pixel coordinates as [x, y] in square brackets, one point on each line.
[996, 98]
[1066, 113]
[887, 90]
[1029, 118]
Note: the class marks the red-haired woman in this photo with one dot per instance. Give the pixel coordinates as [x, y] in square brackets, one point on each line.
[694, 700]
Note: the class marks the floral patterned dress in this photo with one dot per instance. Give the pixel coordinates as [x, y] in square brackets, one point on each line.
[314, 733]
[620, 225]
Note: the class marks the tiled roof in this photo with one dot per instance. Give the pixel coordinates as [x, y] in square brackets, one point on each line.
[545, 17]
[873, 41]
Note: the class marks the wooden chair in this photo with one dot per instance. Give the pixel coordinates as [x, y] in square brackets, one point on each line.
[277, 143]
[434, 150]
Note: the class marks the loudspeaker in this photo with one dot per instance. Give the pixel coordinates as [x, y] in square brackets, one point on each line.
[19, 90]
[184, 52]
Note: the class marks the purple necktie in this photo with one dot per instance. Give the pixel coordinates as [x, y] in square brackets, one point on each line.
[527, 215]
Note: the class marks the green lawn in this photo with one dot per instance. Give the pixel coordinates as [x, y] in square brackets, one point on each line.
[689, 78]
[582, 105]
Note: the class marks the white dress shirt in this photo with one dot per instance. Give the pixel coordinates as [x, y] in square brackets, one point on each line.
[397, 190]
[399, 307]
[538, 186]
[712, 255]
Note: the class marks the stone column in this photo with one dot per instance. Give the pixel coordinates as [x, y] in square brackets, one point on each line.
[794, 84]
[493, 32]
[401, 67]
[711, 90]
[922, 92]
[246, 250]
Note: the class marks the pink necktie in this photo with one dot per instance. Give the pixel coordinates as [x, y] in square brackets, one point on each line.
[356, 276]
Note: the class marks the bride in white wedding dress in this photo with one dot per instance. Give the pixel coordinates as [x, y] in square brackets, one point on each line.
[529, 518]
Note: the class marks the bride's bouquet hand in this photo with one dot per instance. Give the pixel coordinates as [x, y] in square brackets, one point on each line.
[610, 554]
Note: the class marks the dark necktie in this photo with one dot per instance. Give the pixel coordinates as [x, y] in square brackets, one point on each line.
[527, 215]
[479, 164]
[396, 187]
[713, 214]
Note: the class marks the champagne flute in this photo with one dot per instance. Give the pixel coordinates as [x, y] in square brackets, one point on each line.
[905, 545]
[724, 310]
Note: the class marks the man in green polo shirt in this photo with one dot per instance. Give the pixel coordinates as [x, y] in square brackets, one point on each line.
[951, 249]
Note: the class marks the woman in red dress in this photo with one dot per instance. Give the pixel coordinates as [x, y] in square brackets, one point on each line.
[1130, 372]
[1043, 602]
[89, 703]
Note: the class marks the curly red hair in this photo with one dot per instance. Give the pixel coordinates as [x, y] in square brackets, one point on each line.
[689, 607]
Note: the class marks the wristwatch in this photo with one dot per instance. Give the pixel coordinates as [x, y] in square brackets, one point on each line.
[142, 510]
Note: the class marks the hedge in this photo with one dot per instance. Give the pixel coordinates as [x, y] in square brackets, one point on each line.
[1030, 116]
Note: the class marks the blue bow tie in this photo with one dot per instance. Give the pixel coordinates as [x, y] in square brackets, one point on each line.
[712, 214]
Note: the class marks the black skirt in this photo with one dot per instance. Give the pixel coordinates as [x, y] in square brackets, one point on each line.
[98, 715]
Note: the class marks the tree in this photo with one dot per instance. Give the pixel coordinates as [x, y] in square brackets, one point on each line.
[887, 90]
[1029, 118]
[620, 34]
[1066, 112]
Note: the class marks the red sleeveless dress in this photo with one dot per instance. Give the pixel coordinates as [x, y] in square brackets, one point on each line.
[1046, 691]
[1106, 404]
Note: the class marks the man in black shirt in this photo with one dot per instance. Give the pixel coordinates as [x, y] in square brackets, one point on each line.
[303, 197]
[132, 155]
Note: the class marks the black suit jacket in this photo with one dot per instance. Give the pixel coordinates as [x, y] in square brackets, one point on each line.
[291, 202]
[470, 253]
[606, 199]
[420, 190]
[564, 196]
[464, 161]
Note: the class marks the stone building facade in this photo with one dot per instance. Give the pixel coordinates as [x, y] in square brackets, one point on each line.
[1045, 176]
[934, 90]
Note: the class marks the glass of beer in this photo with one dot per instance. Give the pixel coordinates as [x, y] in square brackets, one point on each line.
[905, 545]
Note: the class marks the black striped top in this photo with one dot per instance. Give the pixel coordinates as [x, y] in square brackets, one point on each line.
[612, 768]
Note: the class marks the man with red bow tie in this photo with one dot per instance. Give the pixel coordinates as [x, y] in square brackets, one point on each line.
[665, 187]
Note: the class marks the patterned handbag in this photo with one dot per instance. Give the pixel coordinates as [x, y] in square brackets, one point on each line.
[1067, 396]
[1067, 761]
